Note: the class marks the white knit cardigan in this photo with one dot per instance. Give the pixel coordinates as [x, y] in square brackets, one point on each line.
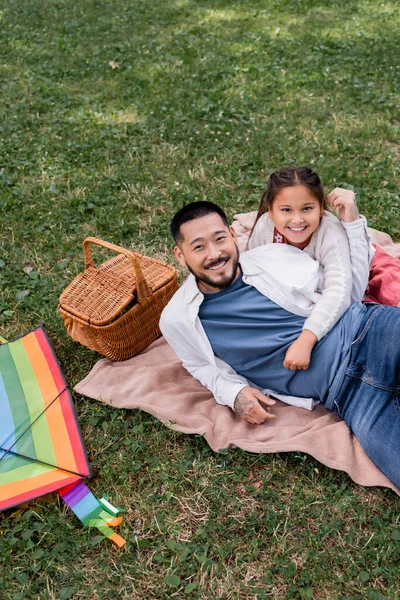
[344, 251]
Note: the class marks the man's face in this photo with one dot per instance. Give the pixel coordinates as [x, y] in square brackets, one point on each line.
[209, 251]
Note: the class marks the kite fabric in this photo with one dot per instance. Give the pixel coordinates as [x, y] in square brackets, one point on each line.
[91, 511]
[41, 445]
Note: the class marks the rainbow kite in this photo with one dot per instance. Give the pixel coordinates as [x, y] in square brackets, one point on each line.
[41, 446]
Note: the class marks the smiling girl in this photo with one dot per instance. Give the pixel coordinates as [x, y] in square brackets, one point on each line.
[293, 211]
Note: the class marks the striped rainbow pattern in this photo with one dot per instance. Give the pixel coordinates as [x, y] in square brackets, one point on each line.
[89, 510]
[41, 447]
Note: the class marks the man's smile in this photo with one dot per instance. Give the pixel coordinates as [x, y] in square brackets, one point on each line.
[215, 266]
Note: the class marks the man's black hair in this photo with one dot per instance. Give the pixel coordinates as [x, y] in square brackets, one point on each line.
[191, 211]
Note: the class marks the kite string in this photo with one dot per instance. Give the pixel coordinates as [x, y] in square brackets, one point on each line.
[33, 422]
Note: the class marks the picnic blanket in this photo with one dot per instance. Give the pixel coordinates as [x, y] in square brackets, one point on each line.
[156, 382]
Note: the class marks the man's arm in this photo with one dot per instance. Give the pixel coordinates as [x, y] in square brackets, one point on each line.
[248, 406]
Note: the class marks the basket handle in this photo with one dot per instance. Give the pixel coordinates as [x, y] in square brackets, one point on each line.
[143, 290]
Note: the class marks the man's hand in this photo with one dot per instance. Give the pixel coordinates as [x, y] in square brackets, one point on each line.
[247, 405]
[298, 354]
[344, 201]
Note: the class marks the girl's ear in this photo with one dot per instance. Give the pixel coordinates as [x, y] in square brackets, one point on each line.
[179, 256]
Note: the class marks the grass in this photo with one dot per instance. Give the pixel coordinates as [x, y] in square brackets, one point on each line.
[113, 115]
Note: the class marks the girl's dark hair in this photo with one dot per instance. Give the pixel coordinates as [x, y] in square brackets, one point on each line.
[287, 177]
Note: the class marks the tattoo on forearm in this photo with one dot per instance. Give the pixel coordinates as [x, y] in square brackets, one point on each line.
[243, 405]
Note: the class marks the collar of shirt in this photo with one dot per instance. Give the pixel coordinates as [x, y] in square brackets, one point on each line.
[191, 291]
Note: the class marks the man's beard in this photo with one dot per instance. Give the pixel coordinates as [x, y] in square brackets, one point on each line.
[219, 285]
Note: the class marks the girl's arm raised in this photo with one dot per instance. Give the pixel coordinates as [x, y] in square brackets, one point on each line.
[361, 254]
[361, 248]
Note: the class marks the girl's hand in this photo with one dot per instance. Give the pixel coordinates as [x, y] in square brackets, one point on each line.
[344, 201]
[298, 354]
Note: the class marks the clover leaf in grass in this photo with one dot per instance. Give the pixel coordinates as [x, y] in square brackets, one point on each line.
[173, 581]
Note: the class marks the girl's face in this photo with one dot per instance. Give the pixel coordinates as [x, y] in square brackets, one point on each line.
[296, 214]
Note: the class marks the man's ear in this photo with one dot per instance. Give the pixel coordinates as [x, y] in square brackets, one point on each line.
[233, 233]
[179, 256]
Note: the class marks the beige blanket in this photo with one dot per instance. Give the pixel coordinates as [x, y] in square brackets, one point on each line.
[156, 382]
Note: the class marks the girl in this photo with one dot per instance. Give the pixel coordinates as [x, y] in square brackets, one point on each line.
[293, 211]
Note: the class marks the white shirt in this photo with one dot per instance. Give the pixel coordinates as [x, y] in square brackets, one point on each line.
[286, 275]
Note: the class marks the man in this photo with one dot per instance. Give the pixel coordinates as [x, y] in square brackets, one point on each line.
[233, 320]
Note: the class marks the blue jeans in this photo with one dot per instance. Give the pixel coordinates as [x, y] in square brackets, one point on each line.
[369, 396]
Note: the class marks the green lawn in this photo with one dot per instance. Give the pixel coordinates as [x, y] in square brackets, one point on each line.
[112, 115]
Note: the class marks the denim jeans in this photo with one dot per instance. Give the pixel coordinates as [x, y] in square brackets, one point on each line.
[369, 396]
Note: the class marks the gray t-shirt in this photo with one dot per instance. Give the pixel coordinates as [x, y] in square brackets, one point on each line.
[252, 334]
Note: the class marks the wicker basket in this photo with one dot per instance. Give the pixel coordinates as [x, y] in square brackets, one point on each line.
[115, 309]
